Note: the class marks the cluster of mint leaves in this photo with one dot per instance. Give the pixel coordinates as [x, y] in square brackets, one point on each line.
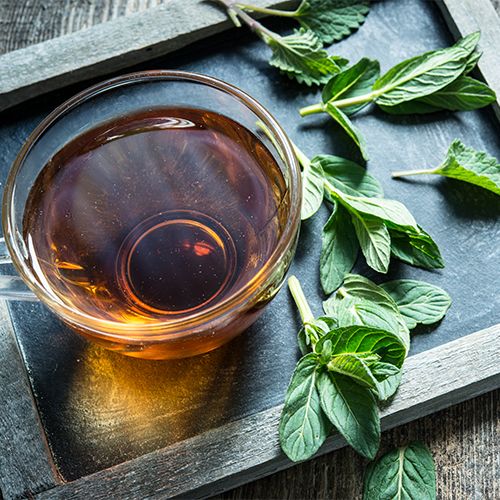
[352, 358]
[354, 354]
[361, 219]
[301, 55]
[434, 81]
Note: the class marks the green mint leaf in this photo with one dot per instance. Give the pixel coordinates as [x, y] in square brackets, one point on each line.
[313, 180]
[303, 426]
[469, 42]
[406, 472]
[365, 340]
[349, 177]
[375, 242]
[393, 213]
[420, 76]
[353, 82]
[388, 387]
[356, 311]
[415, 107]
[339, 249]
[301, 56]
[466, 164]
[354, 367]
[418, 302]
[472, 61]
[332, 20]
[463, 94]
[364, 291]
[326, 352]
[304, 340]
[416, 249]
[381, 371]
[471, 166]
[352, 409]
[353, 132]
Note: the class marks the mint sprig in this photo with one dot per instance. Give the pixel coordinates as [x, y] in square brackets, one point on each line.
[301, 55]
[329, 20]
[352, 358]
[431, 82]
[465, 164]
[361, 219]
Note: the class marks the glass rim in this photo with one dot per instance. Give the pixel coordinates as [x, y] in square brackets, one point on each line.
[172, 328]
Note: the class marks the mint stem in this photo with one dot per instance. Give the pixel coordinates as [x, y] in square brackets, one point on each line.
[309, 110]
[411, 172]
[271, 12]
[341, 103]
[261, 31]
[300, 300]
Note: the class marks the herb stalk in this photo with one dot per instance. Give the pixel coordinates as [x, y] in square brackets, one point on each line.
[300, 300]
[263, 10]
[341, 103]
[411, 172]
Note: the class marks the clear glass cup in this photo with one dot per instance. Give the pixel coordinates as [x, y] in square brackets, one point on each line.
[137, 111]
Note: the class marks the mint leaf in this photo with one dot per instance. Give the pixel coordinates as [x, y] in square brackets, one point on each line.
[418, 302]
[466, 164]
[471, 166]
[354, 367]
[388, 387]
[417, 249]
[392, 212]
[365, 291]
[301, 56]
[353, 82]
[469, 42]
[332, 20]
[356, 311]
[303, 426]
[353, 132]
[375, 242]
[420, 76]
[349, 177]
[352, 409]
[463, 94]
[406, 472]
[363, 340]
[313, 180]
[339, 249]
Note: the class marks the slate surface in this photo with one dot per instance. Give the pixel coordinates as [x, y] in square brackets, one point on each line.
[100, 409]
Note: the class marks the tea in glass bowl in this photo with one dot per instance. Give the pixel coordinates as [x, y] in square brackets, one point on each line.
[160, 213]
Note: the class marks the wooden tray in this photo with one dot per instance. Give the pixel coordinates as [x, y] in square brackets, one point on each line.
[240, 445]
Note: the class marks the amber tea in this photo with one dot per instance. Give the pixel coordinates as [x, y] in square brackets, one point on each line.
[158, 214]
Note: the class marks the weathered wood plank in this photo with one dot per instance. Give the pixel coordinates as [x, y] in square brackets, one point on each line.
[109, 47]
[467, 16]
[27, 23]
[24, 461]
[236, 453]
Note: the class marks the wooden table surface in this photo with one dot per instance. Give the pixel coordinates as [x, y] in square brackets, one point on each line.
[464, 439]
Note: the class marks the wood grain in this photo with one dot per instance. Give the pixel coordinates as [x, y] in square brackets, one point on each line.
[108, 47]
[26, 23]
[24, 460]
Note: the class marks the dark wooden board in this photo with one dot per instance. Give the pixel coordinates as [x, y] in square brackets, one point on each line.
[229, 446]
